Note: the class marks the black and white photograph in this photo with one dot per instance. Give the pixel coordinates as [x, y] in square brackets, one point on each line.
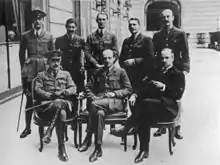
[110, 82]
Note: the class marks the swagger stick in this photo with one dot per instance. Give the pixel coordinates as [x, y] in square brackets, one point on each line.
[19, 116]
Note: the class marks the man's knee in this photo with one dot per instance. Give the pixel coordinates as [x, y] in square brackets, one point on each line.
[63, 115]
[100, 113]
[57, 104]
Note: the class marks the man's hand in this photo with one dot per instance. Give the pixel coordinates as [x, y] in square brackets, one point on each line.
[185, 73]
[132, 99]
[58, 94]
[129, 62]
[99, 66]
[159, 84]
[110, 94]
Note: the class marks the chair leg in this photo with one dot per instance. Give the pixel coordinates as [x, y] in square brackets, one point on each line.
[80, 133]
[65, 134]
[125, 143]
[41, 133]
[75, 135]
[171, 139]
[135, 141]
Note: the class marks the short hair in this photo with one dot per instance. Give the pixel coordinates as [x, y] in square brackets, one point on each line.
[69, 21]
[108, 50]
[101, 13]
[53, 53]
[166, 10]
[134, 19]
[167, 49]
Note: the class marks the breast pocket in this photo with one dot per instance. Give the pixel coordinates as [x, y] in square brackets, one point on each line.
[114, 83]
[62, 83]
[49, 84]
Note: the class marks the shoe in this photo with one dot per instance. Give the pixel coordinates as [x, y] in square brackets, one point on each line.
[62, 154]
[25, 133]
[47, 138]
[160, 132]
[95, 155]
[85, 145]
[141, 156]
[120, 132]
[178, 134]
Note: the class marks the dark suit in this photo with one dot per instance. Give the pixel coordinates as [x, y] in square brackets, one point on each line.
[73, 57]
[165, 109]
[117, 81]
[140, 47]
[95, 44]
[177, 41]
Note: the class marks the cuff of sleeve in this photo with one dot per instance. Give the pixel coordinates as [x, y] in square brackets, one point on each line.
[164, 88]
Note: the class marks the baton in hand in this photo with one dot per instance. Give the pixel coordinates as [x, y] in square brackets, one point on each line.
[19, 116]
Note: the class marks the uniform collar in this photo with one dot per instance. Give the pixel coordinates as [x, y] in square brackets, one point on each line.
[38, 31]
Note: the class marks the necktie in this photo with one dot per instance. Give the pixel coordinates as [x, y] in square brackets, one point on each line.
[37, 34]
[101, 33]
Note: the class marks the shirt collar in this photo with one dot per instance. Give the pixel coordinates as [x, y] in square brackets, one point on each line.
[103, 30]
[135, 36]
[166, 69]
[39, 31]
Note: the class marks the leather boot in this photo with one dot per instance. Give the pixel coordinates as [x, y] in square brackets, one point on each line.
[86, 143]
[47, 136]
[96, 153]
[141, 156]
[61, 147]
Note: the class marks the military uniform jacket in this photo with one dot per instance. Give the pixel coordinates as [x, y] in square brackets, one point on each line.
[177, 41]
[36, 48]
[95, 46]
[141, 47]
[46, 83]
[73, 56]
[115, 81]
[175, 86]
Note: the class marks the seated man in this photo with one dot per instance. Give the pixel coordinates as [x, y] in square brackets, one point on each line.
[55, 84]
[157, 101]
[105, 91]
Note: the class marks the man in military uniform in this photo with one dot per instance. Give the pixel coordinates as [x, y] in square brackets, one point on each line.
[136, 56]
[57, 85]
[175, 38]
[98, 41]
[36, 42]
[72, 47]
[105, 90]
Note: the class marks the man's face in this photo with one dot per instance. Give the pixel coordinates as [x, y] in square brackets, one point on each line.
[133, 26]
[167, 18]
[54, 63]
[166, 58]
[71, 28]
[108, 58]
[102, 21]
[38, 22]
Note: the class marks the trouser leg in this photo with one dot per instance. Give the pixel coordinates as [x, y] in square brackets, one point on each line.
[99, 127]
[28, 114]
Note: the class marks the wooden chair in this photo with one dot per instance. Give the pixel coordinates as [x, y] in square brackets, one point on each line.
[112, 119]
[42, 123]
[170, 125]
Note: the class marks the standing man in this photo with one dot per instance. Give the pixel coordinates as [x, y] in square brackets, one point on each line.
[36, 42]
[176, 39]
[136, 56]
[98, 41]
[105, 90]
[72, 47]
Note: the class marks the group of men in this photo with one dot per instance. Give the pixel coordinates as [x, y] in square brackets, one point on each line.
[148, 69]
